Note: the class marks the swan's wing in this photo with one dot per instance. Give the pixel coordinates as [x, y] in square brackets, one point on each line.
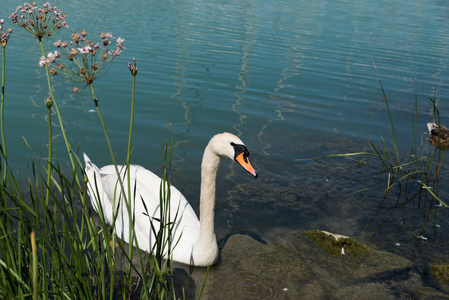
[181, 213]
[145, 189]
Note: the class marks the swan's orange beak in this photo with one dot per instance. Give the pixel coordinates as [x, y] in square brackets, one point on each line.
[244, 162]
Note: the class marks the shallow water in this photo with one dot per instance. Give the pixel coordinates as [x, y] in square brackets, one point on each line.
[294, 79]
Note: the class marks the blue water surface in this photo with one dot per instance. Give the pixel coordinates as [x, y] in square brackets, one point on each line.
[285, 76]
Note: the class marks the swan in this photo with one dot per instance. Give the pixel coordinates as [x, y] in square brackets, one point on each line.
[195, 240]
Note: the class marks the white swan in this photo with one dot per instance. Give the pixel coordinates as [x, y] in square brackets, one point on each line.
[197, 242]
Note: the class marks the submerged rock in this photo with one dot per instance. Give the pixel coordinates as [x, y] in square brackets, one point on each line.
[337, 244]
[291, 266]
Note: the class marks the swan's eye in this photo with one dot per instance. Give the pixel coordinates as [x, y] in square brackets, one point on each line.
[239, 149]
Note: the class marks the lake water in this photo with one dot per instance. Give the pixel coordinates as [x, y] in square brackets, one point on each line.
[293, 79]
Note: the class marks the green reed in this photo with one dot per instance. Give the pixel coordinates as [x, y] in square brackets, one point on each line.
[49, 247]
[410, 177]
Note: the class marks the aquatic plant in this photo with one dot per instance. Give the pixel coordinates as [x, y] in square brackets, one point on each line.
[49, 248]
[4, 34]
[410, 178]
[4, 37]
[41, 22]
[84, 60]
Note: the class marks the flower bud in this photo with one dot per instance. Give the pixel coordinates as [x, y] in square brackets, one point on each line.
[75, 89]
[49, 102]
[76, 37]
[53, 71]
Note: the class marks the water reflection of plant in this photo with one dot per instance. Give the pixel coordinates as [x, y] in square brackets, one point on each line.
[50, 248]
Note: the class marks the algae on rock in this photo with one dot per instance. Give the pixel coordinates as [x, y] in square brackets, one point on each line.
[337, 244]
[441, 272]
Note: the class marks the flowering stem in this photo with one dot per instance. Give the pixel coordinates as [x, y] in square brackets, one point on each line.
[112, 156]
[120, 182]
[128, 159]
[61, 124]
[1, 115]
[104, 126]
[50, 148]
[50, 140]
[132, 119]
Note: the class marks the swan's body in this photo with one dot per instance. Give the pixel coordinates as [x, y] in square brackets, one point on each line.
[197, 242]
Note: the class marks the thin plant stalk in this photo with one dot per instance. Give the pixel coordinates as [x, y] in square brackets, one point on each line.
[133, 238]
[389, 115]
[34, 265]
[128, 154]
[61, 124]
[108, 141]
[49, 130]
[1, 113]
[50, 150]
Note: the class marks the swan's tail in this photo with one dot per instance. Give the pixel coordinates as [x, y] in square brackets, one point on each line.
[90, 167]
[92, 173]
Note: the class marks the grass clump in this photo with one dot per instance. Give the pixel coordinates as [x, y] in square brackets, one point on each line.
[403, 179]
[52, 246]
[335, 243]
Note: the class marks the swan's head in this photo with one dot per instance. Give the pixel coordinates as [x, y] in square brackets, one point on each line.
[228, 145]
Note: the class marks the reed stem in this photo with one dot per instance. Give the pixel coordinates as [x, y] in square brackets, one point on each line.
[61, 124]
[3, 148]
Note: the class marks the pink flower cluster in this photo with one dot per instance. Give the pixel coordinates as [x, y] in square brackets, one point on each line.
[51, 58]
[133, 68]
[84, 59]
[40, 22]
[4, 36]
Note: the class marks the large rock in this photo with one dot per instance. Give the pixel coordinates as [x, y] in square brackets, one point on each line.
[291, 266]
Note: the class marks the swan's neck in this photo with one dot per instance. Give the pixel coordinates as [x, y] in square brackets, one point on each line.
[209, 168]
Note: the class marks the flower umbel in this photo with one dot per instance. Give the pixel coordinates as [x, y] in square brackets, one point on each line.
[40, 22]
[85, 60]
[4, 36]
[133, 68]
